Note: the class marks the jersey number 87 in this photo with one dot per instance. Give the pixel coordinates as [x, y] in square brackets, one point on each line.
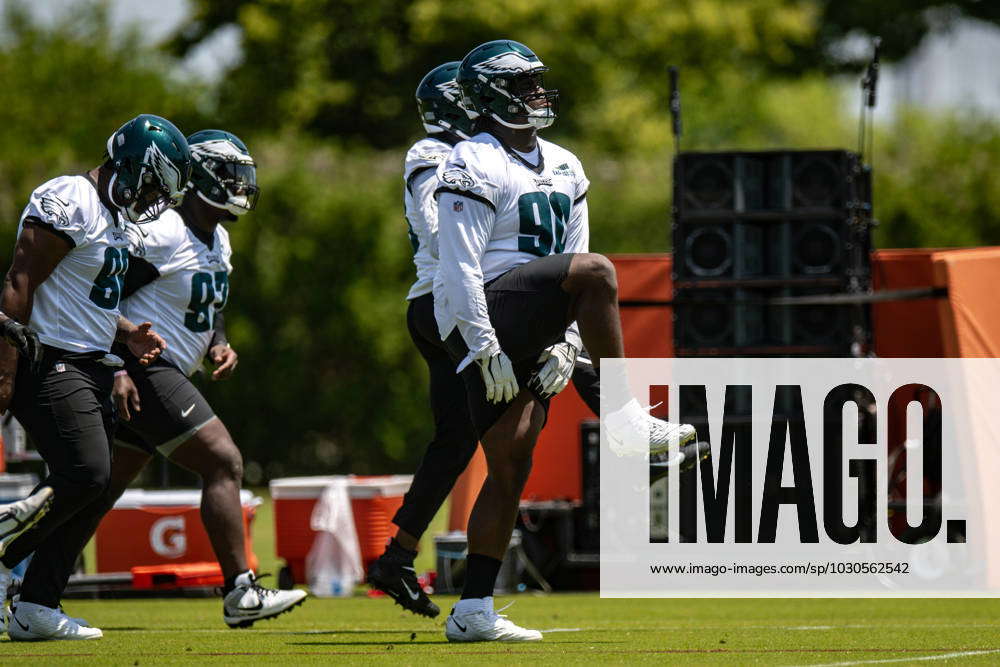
[209, 292]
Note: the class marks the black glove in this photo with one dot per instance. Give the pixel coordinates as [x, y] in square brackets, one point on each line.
[23, 338]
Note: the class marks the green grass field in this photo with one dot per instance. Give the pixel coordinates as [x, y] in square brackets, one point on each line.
[580, 628]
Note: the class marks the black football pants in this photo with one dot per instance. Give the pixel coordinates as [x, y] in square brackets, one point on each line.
[66, 409]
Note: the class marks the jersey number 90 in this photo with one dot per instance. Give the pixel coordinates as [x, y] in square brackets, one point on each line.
[543, 222]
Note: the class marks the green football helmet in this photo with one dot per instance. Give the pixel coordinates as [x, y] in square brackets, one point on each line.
[224, 174]
[439, 102]
[151, 163]
[502, 80]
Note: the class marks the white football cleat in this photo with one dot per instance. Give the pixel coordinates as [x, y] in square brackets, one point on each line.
[249, 602]
[18, 517]
[79, 621]
[632, 431]
[31, 622]
[475, 621]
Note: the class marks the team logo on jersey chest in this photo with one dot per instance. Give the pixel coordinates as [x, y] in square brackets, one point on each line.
[543, 182]
[213, 258]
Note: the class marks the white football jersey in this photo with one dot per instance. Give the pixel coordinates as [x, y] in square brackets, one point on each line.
[76, 308]
[495, 212]
[420, 176]
[192, 286]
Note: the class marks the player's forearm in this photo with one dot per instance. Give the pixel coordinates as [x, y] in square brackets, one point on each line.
[124, 328]
[15, 303]
[219, 331]
[474, 322]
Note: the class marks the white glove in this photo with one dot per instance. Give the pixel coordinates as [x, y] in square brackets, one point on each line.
[499, 378]
[559, 360]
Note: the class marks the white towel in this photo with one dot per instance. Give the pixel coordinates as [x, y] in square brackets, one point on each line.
[333, 566]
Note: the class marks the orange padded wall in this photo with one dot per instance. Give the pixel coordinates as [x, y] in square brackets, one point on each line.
[971, 314]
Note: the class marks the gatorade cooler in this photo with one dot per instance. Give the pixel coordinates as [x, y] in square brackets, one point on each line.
[147, 528]
[12, 489]
[374, 501]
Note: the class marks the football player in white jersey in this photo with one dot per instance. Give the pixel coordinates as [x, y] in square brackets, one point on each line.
[65, 282]
[454, 443]
[179, 278]
[514, 280]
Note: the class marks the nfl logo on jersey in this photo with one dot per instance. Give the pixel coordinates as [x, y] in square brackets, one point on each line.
[457, 206]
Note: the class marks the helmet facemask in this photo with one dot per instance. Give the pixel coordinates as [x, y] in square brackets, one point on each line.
[528, 92]
[224, 176]
[156, 187]
[523, 98]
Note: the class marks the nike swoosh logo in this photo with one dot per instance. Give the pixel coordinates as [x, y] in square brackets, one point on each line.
[413, 596]
[457, 624]
[250, 610]
[23, 626]
[185, 413]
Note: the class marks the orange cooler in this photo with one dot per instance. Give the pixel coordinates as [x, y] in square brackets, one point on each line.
[161, 528]
[374, 501]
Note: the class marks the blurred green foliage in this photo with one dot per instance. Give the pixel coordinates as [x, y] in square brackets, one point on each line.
[328, 379]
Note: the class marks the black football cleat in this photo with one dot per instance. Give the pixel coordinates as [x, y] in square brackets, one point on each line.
[398, 580]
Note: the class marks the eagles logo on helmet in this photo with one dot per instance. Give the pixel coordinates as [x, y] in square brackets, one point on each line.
[150, 163]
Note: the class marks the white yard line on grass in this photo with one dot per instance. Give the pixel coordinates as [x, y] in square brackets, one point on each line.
[944, 656]
[563, 630]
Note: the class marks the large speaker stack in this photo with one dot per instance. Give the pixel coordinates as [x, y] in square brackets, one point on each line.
[753, 227]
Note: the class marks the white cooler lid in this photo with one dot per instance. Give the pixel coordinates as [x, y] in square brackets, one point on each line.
[138, 498]
[298, 488]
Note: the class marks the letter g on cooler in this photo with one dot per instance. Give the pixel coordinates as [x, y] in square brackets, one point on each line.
[167, 538]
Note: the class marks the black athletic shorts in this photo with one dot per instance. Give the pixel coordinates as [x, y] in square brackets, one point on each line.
[529, 312]
[172, 408]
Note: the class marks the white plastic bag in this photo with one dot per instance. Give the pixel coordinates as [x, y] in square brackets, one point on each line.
[333, 565]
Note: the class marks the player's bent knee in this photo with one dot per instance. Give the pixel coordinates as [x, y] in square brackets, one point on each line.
[226, 463]
[231, 465]
[596, 271]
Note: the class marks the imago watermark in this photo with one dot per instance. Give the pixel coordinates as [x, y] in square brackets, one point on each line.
[836, 477]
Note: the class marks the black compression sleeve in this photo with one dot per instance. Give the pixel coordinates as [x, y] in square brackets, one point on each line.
[219, 333]
[140, 273]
